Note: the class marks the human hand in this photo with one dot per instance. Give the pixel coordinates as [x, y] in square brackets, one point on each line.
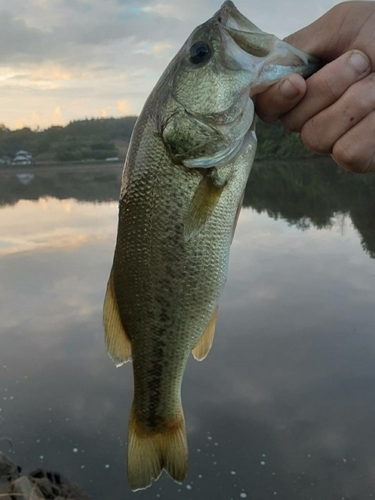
[334, 110]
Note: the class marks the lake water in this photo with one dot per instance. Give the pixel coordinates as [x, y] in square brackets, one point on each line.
[282, 408]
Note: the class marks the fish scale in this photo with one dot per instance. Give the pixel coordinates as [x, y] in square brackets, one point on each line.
[184, 177]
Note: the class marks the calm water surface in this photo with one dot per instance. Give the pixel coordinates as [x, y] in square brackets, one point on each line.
[283, 407]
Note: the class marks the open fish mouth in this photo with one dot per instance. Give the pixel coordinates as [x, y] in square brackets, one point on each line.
[258, 51]
[229, 16]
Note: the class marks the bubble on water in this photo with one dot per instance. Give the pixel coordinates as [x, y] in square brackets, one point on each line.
[263, 455]
[262, 463]
[275, 492]
[199, 450]
[41, 457]
[200, 476]
[82, 466]
[344, 460]
[216, 444]
[75, 450]
[106, 466]
[233, 472]
[188, 487]
[243, 495]
[209, 437]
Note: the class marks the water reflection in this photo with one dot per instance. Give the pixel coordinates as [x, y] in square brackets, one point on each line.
[283, 406]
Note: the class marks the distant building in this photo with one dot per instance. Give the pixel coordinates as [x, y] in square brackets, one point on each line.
[22, 158]
[5, 160]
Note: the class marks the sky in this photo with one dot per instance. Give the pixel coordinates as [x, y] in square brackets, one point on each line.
[64, 60]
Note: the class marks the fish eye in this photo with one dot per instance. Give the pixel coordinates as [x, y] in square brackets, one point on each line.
[200, 52]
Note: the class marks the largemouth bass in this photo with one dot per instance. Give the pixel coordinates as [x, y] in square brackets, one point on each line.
[183, 182]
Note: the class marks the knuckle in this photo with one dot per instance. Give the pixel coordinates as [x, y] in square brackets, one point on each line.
[349, 156]
[313, 136]
[291, 122]
[369, 166]
[266, 118]
[265, 109]
[359, 99]
[366, 89]
[327, 86]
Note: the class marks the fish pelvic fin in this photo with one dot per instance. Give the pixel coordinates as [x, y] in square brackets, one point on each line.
[202, 205]
[117, 341]
[203, 347]
[150, 451]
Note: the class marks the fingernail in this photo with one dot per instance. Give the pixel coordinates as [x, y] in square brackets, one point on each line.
[288, 90]
[359, 62]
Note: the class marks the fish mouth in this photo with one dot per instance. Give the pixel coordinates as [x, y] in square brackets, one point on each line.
[255, 50]
[229, 16]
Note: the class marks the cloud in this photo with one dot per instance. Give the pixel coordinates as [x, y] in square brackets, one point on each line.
[123, 106]
[57, 116]
[105, 52]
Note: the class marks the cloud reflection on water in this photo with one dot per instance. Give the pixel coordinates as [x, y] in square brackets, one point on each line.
[289, 381]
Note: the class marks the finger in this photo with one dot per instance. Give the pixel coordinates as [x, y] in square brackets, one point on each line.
[337, 31]
[280, 98]
[326, 86]
[325, 129]
[355, 151]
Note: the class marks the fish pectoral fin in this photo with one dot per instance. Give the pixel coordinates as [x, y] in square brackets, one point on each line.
[239, 206]
[117, 341]
[203, 347]
[202, 205]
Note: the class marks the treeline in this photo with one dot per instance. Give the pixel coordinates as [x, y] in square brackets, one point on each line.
[98, 138]
[80, 140]
[305, 193]
[311, 193]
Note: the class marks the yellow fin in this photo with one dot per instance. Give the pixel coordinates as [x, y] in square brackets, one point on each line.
[149, 452]
[239, 206]
[203, 347]
[117, 342]
[202, 205]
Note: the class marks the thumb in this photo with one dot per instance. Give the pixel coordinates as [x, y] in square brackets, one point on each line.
[342, 28]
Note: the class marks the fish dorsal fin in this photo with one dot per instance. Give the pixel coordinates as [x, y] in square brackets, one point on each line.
[117, 341]
[202, 205]
[203, 347]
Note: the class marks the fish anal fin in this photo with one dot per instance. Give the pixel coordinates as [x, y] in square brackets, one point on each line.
[203, 347]
[239, 206]
[117, 341]
[149, 452]
[202, 205]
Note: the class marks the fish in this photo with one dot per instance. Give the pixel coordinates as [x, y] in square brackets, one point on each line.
[183, 183]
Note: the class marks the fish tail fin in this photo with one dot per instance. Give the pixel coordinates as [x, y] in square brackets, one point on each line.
[149, 451]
